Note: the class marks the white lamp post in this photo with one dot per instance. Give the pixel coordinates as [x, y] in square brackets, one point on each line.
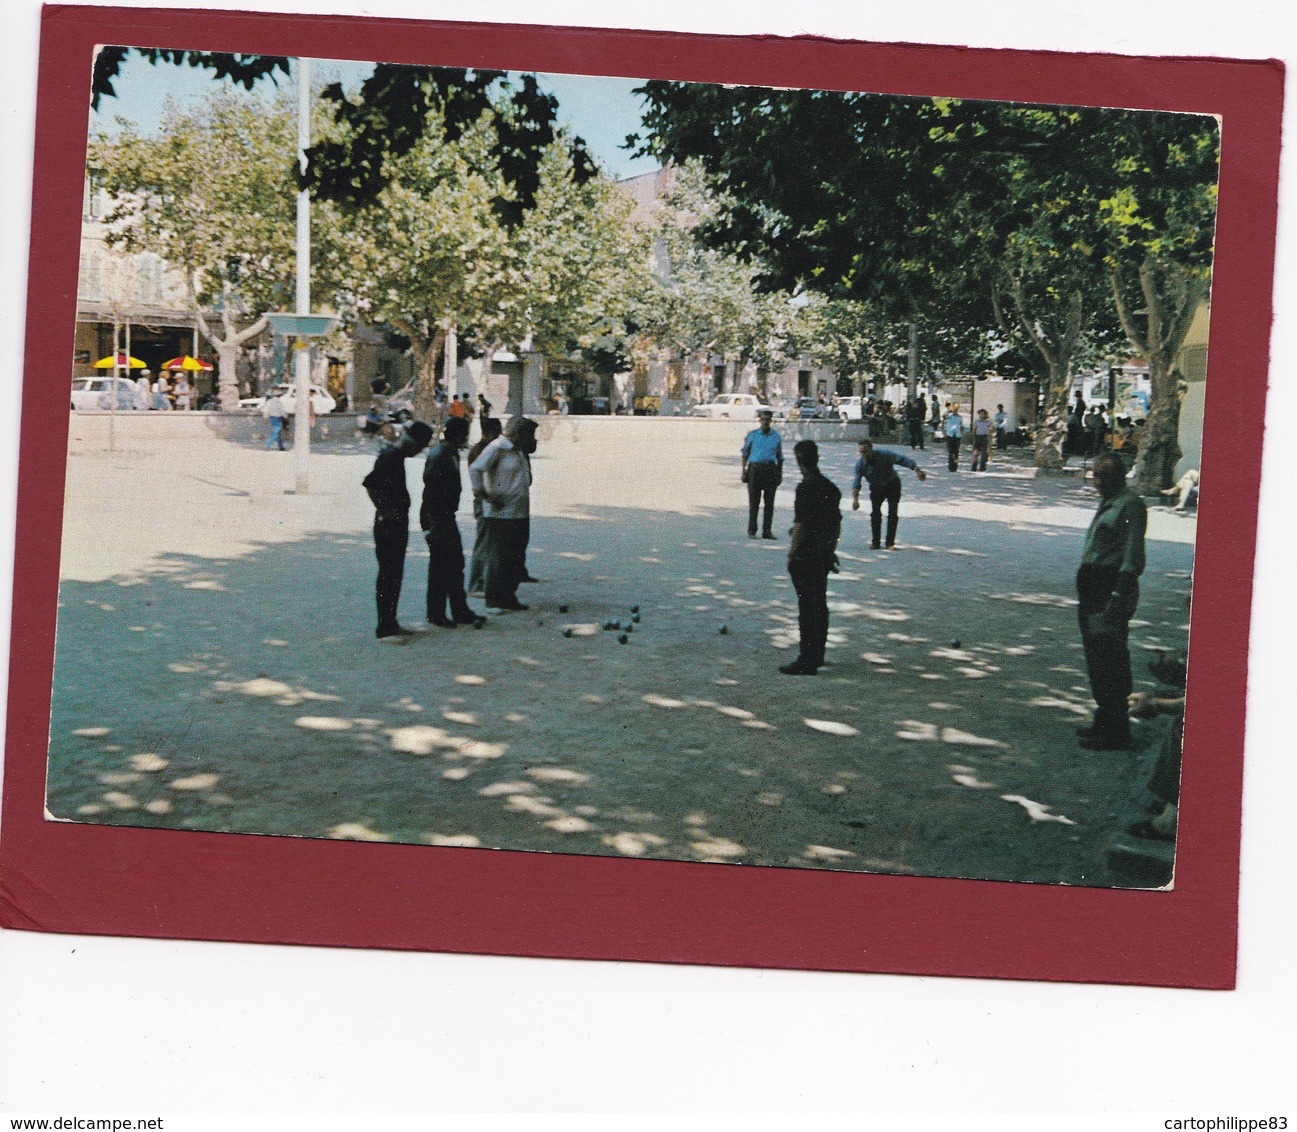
[301, 325]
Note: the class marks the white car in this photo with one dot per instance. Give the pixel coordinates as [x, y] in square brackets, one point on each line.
[321, 402]
[94, 394]
[732, 406]
[851, 408]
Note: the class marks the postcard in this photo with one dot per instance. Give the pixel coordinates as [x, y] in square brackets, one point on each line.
[610, 494]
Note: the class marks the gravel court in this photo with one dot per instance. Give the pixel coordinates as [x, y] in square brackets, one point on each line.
[217, 669]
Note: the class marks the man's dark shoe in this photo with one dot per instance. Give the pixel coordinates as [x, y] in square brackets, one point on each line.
[752, 534]
[767, 534]
[442, 623]
[528, 578]
[875, 546]
[514, 605]
[392, 631]
[797, 668]
[468, 617]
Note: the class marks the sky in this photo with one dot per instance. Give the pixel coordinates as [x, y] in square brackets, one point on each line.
[600, 110]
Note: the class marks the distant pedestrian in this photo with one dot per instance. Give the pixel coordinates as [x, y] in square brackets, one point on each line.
[1001, 421]
[1107, 588]
[491, 428]
[183, 391]
[391, 499]
[952, 427]
[457, 408]
[915, 411]
[441, 493]
[272, 408]
[936, 414]
[501, 476]
[143, 392]
[877, 467]
[763, 471]
[812, 556]
[981, 440]
[483, 409]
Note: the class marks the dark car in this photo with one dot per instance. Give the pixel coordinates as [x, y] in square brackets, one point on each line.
[809, 409]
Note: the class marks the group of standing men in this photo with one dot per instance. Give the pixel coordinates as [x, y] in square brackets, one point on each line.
[1107, 581]
[500, 476]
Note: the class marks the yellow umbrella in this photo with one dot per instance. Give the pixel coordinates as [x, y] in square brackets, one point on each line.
[121, 360]
[194, 365]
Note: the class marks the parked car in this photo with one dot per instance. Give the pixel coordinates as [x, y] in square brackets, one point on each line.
[852, 408]
[809, 409]
[321, 401]
[94, 394]
[732, 406]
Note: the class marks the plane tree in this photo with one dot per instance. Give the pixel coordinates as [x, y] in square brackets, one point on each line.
[213, 193]
[1054, 226]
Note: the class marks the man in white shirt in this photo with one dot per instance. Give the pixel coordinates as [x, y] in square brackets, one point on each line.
[501, 479]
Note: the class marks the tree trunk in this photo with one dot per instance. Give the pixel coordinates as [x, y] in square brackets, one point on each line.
[1055, 358]
[1051, 430]
[1172, 293]
[1159, 446]
[912, 362]
[427, 353]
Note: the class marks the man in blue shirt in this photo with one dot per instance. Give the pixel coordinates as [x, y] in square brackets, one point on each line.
[877, 467]
[952, 426]
[763, 472]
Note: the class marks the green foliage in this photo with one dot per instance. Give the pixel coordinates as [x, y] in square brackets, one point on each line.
[388, 119]
[245, 70]
[212, 192]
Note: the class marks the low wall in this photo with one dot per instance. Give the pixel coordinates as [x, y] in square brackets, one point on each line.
[92, 430]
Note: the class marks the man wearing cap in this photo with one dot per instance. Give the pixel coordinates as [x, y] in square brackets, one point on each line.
[501, 479]
[763, 471]
[391, 499]
[812, 557]
[441, 491]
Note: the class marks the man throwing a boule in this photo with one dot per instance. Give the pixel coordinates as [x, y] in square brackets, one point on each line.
[877, 467]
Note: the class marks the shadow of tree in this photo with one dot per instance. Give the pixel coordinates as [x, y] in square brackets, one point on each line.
[248, 695]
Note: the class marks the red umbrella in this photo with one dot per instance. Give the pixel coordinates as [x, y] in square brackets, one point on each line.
[186, 362]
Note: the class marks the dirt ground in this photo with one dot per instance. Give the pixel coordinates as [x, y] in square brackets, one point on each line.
[216, 667]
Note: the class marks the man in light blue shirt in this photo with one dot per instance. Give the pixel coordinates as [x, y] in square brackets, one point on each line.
[763, 472]
[952, 426]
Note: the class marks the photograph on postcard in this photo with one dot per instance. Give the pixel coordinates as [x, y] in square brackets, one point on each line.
[638, 468]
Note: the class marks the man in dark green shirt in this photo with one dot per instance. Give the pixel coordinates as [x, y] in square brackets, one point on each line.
[1107, 586]
[817, 522]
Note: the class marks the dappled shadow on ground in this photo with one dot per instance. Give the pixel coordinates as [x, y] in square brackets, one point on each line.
[249, 695]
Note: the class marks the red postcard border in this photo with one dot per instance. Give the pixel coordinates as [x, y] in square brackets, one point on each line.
[110, 880]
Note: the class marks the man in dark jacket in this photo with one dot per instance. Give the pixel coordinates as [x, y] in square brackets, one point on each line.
[812, 556]
[441, 491]
[391, 498]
